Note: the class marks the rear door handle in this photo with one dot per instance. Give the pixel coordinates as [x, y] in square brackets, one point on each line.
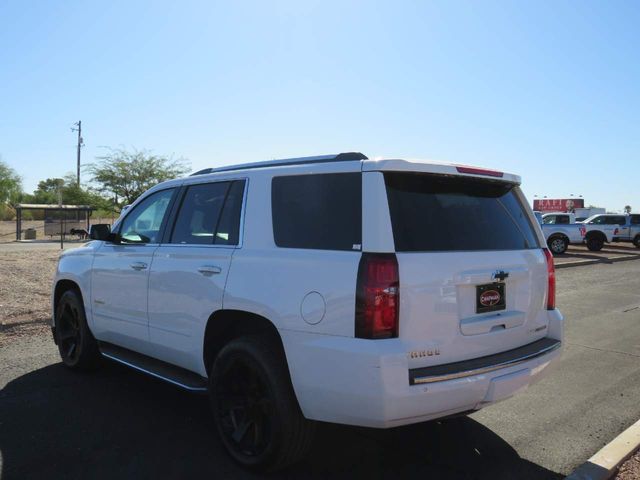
[139, 266]
[208, 270]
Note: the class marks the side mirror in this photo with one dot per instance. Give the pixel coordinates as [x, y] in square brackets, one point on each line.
[100, 231]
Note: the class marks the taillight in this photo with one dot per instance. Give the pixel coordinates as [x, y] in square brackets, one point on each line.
[377, 296]
[551, 275]
[615, 232]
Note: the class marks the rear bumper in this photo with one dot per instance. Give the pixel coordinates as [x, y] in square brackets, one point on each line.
[483, 365]
[368, 383]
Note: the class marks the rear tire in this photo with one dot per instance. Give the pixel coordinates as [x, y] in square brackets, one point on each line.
[254, 407]
[558, 245]
[636, 241]
[595, 244]
[76, 344]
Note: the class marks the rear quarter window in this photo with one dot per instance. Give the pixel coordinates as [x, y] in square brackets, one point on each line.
[448, 213]
[322, 211]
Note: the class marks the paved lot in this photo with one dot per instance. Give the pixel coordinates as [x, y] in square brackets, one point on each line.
[613, 252]
[119, 424]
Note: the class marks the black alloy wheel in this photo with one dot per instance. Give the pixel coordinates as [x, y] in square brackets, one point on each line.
[245, 409]
[254, 406]
[77, 346]
[69, 333]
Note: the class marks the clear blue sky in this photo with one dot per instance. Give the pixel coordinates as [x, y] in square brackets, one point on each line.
[548, 90]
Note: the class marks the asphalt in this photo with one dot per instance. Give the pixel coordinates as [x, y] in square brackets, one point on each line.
[116, 423]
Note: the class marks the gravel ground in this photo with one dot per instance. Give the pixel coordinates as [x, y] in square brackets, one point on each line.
[25, 291]
[630, 470]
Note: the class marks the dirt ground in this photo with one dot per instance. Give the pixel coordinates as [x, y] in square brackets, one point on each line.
[630, 470]
[25, 290]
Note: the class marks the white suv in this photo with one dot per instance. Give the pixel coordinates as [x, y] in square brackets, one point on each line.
[337, 288]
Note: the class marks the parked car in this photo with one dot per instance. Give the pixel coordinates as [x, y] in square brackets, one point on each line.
[560, 230]
[339, 289]
[601, 229]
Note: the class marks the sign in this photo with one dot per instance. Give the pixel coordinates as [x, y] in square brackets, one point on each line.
[545, 205]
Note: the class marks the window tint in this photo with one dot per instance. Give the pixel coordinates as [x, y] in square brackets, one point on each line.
[635, 219]
[436, 213]
[228, 231]
[562, 219]
[209, 213]
[598, 220]
[318, 211]
[615, 220]
[142, 224]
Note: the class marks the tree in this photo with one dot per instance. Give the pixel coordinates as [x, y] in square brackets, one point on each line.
[53, 190]
[10, 184]
[627, 209]
[129, 174]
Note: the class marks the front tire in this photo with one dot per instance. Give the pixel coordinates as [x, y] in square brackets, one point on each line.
[76, 344]
[254, 407]
[636, 241]
[558, 245]
[595, 244]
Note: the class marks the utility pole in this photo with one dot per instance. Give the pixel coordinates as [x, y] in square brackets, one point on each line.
[80, 144]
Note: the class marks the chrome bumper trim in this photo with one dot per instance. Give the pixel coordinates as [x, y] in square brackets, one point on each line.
[478, 366]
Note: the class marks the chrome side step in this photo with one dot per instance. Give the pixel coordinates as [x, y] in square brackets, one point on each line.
[478, 366]
[156, 368]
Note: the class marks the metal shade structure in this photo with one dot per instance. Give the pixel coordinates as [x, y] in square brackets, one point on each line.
[58, 219]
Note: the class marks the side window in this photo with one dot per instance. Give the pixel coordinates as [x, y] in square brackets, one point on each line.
[563, 219]
[210, 214]
[228, 231]
[618, 220]
[635, 219]
[322, 211]
[199, 213]
[549, 220]
[598, 220]
[142, 224]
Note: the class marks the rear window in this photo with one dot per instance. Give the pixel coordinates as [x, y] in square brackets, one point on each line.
[437, 213]
[321, 211]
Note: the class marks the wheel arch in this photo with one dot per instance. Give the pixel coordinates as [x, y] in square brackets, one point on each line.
[225, 325]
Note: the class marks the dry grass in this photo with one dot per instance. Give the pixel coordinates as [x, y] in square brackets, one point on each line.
[25, 290]
[8, 229]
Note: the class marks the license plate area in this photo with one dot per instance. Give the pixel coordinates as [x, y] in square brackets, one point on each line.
[490, 297]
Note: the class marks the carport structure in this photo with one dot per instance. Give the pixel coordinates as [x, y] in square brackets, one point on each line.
[58, 219]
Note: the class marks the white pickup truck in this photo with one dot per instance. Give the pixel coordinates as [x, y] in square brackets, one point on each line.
[612, 228]
[560, 230]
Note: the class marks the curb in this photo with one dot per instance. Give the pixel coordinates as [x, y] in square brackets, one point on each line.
[579, 263]
[604, 464]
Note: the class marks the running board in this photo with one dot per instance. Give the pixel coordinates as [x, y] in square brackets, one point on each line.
[156, 368]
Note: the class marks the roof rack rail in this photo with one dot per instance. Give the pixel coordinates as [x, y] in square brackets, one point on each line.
[341, 157]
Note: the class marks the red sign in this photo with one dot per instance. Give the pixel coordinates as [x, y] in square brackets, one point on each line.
[489, 298]
[558, 204]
